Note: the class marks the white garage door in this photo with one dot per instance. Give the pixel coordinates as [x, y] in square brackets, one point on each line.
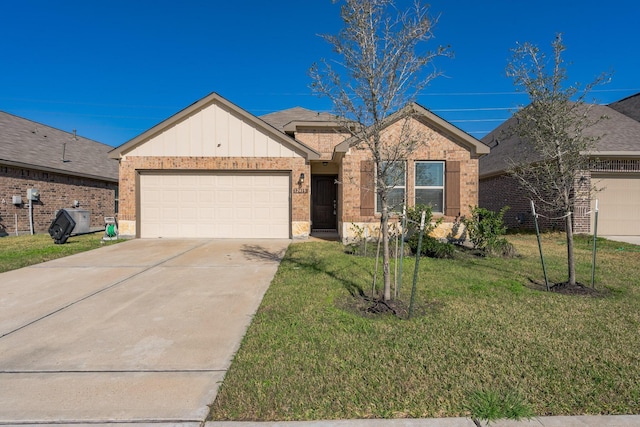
[214, 205]
[618, 205]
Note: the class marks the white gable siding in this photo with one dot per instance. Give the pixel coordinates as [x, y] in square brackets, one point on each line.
[212, 132]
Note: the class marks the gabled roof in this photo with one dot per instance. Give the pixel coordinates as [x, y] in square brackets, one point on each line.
[212, 98]
[620, 137]
[288, 120]
[629, 106]
[28, 144]
[433, 121]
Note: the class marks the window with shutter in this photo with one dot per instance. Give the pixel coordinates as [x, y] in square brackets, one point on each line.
[452, 197]
[367, 188]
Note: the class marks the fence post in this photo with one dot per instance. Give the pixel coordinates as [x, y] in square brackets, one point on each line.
[595, 239]
[415, 272]
[544, 268]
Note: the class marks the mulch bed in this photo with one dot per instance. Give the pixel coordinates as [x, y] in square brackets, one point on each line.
[578, 289]
[365, 306]
[565, 288]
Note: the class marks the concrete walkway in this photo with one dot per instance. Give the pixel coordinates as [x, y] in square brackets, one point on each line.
[139, 332]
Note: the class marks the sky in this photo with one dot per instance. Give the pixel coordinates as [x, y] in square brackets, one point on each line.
[112, 70]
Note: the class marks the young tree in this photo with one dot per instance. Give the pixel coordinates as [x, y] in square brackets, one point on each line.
[383, 66]
[554, 146]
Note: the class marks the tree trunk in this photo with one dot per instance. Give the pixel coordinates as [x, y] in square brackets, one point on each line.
[571, 263]
[385, 253]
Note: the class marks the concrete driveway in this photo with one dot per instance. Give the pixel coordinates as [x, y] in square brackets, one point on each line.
[634, 240]
[139, 332]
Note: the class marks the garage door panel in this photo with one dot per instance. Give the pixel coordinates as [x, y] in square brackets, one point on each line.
[618, 205]
[215, 205]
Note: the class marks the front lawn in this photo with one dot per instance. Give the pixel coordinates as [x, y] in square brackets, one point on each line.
[22, 251]
[486, 326]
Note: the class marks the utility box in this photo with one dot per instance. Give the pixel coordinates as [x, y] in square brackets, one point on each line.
[82, 219]
[17, 200]
[33, 194]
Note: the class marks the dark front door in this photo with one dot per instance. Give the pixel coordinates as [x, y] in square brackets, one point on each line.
[324, 202]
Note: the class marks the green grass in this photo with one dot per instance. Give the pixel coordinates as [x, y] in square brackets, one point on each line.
[22, 251]
[485, 326]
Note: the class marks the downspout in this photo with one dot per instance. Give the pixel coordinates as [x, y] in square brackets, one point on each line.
[31, 215]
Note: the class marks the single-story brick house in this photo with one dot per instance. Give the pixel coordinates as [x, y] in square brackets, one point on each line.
[215, 170]
[614, 171]
[62, 167]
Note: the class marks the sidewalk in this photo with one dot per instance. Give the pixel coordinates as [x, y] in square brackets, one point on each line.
[576, 421]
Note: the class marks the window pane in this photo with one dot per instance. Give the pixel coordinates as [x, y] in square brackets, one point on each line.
[433, 198]
[394, 173]
[429, 174]
[395, 199]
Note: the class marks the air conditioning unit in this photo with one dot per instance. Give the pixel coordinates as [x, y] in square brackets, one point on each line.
[82, 218]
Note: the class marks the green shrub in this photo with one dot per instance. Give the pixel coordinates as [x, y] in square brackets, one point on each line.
[501, 248]
[485, 229]
[431, 247]
[414, 214]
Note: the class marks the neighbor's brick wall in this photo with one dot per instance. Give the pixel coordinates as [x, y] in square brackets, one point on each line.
[57, 191]
[499, 191]
[435, 147]
[582, 217]
[300, 201]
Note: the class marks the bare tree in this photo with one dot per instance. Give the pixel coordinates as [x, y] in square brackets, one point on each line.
[382, 66]
[554, 146]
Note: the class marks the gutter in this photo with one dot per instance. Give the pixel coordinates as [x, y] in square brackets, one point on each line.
[58, 171]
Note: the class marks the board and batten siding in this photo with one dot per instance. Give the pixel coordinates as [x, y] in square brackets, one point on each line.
[213, 132]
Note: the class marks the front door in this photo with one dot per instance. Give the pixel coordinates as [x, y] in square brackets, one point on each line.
[324, 202]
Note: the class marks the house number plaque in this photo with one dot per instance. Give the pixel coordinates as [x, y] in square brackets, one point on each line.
[300, 190]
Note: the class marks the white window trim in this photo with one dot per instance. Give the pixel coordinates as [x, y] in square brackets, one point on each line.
[404, 187]
[430, 187]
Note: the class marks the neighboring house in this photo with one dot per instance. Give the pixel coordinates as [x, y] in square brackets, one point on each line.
[215, 170]
[614, 171]
[62, 167]
[629, 106]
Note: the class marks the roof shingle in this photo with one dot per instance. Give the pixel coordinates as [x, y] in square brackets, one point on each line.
[280, 119]
[619, 133]
[629, 106]
[31, 144]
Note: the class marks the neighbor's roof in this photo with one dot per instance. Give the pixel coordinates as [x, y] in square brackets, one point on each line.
[287, 120]
[629, 106]
[28, 144]
[435, 122]
[620, 137]
[214, 98]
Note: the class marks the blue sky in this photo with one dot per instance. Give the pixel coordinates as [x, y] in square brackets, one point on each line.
[114, 69]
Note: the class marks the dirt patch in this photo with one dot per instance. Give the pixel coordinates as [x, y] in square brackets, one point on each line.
[365, 306]
[577, 289]
[565, 288]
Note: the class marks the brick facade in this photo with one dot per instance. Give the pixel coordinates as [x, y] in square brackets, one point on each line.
[57, 191]
[436, 146]
[321, 140]
[300, 193]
